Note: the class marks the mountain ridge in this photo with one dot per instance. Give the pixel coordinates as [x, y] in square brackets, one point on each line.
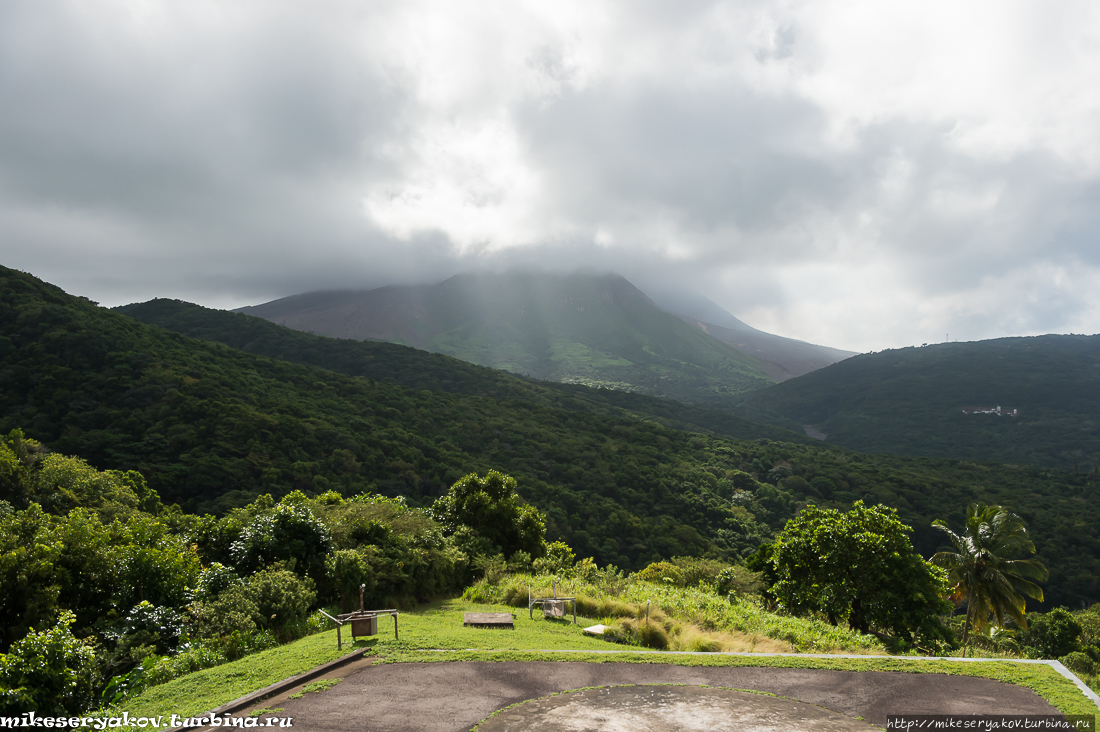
[781, 358]
[597, 330]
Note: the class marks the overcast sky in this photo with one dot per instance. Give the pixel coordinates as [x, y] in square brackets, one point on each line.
[858, 174]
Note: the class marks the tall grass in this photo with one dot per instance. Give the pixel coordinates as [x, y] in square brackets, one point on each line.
[692, 619]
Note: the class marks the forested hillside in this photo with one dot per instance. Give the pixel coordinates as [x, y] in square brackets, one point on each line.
[416, 369]
[212, 427]
[911, 401]
[578, 328]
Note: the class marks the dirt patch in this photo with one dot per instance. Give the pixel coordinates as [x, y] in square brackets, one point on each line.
[813, 432]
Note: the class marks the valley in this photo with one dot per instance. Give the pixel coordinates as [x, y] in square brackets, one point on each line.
[623, 478]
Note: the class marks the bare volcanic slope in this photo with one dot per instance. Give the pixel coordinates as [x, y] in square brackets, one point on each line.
[1014, 400]
[597, 330]
[781, 358]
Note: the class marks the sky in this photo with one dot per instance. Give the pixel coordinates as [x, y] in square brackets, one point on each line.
[859, 174]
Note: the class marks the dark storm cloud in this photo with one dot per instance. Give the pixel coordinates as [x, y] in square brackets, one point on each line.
[828, 170]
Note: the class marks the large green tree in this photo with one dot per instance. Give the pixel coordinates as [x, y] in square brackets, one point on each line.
[984, 568]
[491, 510]
[860, 567]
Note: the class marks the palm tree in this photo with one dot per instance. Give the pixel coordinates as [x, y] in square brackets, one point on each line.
[983, 568]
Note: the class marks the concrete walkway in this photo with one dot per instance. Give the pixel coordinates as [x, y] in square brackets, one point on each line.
[455, 696]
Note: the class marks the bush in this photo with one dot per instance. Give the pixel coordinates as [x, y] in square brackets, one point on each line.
[48, 672]
[559, 559]
[232, 611]
[289, 534]
[283, 600]
[1079, 663]
[147, 625]
[739, 581]
[661, 573]
[346, 570]
[151, 564]
[214, 580]
[492, 510]
[1052, 635]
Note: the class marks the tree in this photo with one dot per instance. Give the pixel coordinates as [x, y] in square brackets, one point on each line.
[982, 568]
[859, 567]
[491, 509]
[291, 534]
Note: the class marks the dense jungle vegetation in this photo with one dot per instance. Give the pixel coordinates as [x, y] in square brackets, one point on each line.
[105, 592]
[910, 401]
[212, 428]
[418, 370]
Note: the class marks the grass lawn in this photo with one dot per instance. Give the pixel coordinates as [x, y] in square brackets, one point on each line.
[434, 633]
[204, 690]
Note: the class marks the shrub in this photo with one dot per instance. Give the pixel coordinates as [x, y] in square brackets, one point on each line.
[283, 600]
[1079, 663]
[491, 508]
[214, 580]
[1052, 635]
[147, 625]
[346, 570]
[739, 581]
[661, 572]
[151, 564]
[48, 672]
[289, 534]
[232, 611]
[559, 558]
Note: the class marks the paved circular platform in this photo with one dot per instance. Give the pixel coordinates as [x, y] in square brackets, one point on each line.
[667, 709]
[453, 697]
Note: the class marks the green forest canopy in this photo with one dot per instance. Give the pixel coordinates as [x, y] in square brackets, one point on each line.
[910, 401]
[212, 427]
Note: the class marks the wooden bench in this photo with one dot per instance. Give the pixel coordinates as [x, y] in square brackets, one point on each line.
[488, 620]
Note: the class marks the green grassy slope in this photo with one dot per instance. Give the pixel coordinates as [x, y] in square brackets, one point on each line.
[212, 426]
[434, 627]
[597, 330]
[910, 401]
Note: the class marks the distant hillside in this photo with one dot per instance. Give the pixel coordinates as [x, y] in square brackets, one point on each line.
[912, 401]
[781, 358]
[416, 369]
[597, 330]
[212, 427]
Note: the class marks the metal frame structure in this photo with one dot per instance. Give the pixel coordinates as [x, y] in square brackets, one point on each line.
[531, 602]
[357, 617]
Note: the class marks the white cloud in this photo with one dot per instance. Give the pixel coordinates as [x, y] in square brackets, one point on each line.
[856, 173]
